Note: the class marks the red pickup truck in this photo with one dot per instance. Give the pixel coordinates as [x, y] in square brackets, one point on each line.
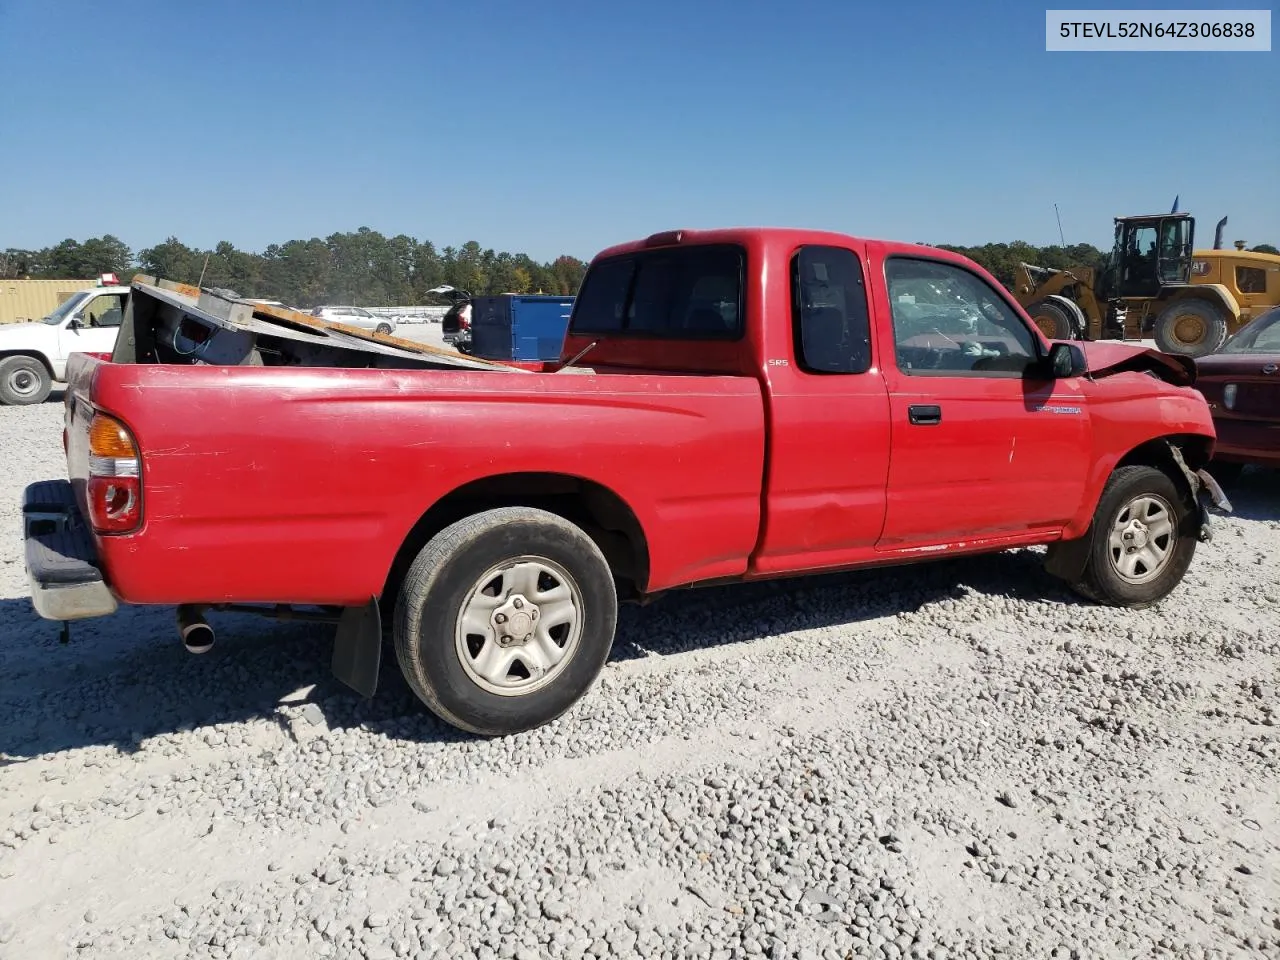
[730, 405]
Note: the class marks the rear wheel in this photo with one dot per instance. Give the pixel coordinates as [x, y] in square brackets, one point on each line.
[1144, 536]
[1192, 328]
[505, 620]
[24, 380]
[1054, 320]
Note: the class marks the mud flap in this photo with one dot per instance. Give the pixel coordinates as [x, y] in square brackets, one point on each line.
[1066, 559]
[357, 648]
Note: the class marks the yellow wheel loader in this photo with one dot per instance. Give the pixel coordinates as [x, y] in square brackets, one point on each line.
[1152, 285]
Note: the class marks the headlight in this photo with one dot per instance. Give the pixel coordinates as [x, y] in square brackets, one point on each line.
[1229, 396]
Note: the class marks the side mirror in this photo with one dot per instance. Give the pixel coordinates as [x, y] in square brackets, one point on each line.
[1066, 360]
[75, 324]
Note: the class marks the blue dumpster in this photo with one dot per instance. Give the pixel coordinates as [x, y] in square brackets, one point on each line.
[519, 327]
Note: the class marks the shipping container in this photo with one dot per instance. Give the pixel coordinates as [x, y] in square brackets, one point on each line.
[22, 300]
[519, 327]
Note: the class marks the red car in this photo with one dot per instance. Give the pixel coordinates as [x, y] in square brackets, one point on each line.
[729, 405]
[1242, 384]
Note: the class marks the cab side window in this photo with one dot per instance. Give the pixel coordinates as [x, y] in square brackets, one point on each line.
[829, 320]
[950, 322]
[105, 311]
[1251, 280]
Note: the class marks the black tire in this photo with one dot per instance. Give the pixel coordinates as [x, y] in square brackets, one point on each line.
[1054, 320]
[24, 380]
[1101, 581]
[1193, 328]
[1225, 472]
[449, 569]
[383, 328]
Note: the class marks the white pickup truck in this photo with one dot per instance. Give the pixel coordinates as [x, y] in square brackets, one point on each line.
[33, 356]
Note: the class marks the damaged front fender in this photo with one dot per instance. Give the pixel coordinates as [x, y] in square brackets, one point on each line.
[1198, 483]
[1067, 559]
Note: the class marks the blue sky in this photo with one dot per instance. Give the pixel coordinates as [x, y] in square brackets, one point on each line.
[562, 127]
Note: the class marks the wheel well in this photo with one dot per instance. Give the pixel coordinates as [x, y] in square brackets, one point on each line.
[1195, 451]
[1204, 294]
[601, 513]
[33, 354]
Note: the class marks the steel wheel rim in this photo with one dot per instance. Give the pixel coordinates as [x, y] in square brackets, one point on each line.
[1188, 322]
[24, 383]
[1142, 539]
[537, 607]
[1048, 326]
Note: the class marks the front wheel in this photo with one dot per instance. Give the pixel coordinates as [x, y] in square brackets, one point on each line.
[383, 328]
[505, 620]
[1144, 536]
[24, 380]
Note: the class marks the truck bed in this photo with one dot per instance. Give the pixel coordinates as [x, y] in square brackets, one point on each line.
[320, 456]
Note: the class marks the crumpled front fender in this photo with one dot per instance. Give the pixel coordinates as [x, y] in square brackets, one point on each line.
[1107, 359]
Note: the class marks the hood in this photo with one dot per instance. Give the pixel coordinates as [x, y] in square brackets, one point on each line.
[24, 325]
[1232, 362]
[11, 334]
[1106, 358]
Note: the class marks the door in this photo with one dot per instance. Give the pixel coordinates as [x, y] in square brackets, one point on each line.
[1137, 259]
[828, 421]
[984, 444]
[1175, 251]
[95, 326]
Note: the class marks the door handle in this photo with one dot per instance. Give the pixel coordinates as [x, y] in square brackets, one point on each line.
[924, 414]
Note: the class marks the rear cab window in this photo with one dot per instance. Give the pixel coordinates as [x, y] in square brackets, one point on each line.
[683, 293]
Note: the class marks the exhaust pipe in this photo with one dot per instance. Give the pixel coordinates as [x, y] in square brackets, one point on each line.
[197, 635]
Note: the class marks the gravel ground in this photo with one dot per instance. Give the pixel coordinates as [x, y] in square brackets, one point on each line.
[951, 760]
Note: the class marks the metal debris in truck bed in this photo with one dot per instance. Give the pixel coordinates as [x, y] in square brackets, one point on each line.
[226, 311]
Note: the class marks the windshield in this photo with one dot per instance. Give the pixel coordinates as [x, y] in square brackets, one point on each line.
[66, 307]
[1260, 336]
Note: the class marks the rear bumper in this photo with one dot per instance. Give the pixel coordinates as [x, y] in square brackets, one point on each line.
[62, 564]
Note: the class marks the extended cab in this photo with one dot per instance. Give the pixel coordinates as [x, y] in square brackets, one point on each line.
[33, 356]
[730, 405]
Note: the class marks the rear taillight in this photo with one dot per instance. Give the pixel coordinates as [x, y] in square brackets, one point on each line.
[115, 481]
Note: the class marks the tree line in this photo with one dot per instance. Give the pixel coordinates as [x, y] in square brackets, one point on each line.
[368, 269]
[364, 268]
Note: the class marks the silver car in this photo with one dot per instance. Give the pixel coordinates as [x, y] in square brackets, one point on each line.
[355, 317]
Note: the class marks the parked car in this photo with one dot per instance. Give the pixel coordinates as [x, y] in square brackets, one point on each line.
[757, 403]
[455, 325]
[356, 317]
[1241, 382]
[33, 356]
